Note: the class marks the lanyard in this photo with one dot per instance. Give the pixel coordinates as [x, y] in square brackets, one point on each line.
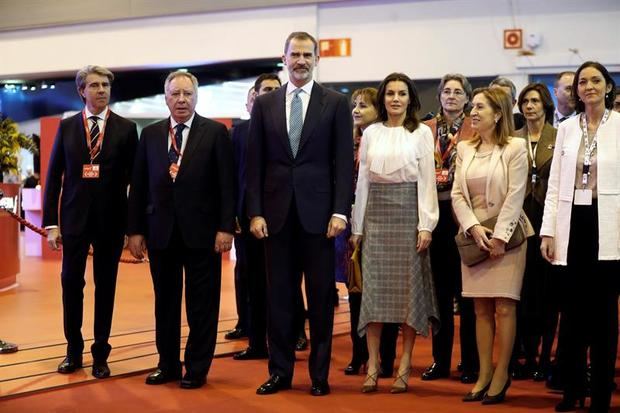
[532, 156]
[94, 150]
[444, 155]
[589, 148]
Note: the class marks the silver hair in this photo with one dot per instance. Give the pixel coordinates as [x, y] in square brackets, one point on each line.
[181, 73]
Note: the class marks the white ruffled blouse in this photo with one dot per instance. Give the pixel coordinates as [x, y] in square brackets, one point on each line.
[395, 155]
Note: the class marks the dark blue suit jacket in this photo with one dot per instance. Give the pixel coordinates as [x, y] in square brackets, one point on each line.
[240, 135]
[319, 178]
[200, 200]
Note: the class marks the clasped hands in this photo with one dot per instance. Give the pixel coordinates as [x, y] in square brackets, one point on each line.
[494, 246]
[258, 227]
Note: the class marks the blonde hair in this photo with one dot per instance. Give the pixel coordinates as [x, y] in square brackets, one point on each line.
[501, 103]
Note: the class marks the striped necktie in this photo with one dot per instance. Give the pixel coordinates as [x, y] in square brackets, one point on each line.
[94, 136]
[173, 156]
[296, 122]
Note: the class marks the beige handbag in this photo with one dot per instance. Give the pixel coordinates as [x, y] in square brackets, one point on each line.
[354, 283]
[470, 252]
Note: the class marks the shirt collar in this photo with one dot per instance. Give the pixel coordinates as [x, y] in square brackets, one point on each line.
[101, 116]
[187, 123]
[307, 88]
[559, 116]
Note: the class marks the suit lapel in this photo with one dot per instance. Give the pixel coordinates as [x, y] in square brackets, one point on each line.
[108, 137]
[313, 115]
[279, 118]
[193, 140]
[468, 158]
[544, 150]
[495, 158]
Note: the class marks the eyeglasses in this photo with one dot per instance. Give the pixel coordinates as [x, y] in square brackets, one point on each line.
[457, 92]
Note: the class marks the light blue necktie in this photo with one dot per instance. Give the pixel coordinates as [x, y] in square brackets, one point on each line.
[296, 122]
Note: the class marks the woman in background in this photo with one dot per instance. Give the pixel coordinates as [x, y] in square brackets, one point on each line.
[364, 112]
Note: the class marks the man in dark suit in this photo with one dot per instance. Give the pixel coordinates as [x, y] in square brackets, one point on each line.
[300, 166]
[91, 163]
[250, 266]
[181, 206]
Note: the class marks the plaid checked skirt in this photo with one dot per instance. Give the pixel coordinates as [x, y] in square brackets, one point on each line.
[397, 281]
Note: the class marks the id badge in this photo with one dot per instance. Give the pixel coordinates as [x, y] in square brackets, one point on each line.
[173, 171]
[90, 171]
[441, 175]
[583, 197]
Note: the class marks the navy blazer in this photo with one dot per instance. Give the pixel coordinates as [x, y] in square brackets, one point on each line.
[319, 178]
[200, 200]
[240, 144]
[106, 196]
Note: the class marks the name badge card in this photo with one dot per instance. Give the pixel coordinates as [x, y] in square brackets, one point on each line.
[90, 171]
[583, 197]
[173, 171]
[441, 175]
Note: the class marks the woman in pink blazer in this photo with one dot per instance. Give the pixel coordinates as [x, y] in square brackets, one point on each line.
[490, 181]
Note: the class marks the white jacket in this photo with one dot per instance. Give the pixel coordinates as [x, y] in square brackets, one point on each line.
[559, 200]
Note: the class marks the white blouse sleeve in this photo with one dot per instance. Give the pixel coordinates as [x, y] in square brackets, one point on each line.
[428, 207]
[361, 191]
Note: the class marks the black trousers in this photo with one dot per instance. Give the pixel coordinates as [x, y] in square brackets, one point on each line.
[251, 267]
[589, 312]
[202, 303]
[387, 345]
[107, 250]
[446, 266]
[241, 283]
[290, 253]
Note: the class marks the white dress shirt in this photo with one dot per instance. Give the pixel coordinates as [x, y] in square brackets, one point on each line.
[304, 95]
[395, 155]
[185, 134]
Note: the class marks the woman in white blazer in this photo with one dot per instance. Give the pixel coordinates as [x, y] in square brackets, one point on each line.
[490, 181]
[581, 230]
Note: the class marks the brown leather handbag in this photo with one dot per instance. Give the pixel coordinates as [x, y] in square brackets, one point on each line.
[470, 252]
[354, 273]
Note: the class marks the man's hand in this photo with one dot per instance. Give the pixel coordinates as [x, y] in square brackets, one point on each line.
[54, 240]
[547, 248]
[223, 241]
[424, 240]
[137, 246]
[258, 227]
[336, 226]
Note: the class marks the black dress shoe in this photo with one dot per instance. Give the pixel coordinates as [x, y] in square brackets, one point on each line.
[319, 388]
[273, 385]
[353, 368]
[192, 382]
[6, 348]
[302, 344]
[434, 372]
[496, 398]
[468, 377]
[251, 354]
[568, 403]
[160, 376]
[101, 369]
[235, 334]
[539, 375]
[70, 364]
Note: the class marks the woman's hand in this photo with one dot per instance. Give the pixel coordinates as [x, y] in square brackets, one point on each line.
[355, 240]
[480, 235]
[547, 248]
[497, 248]
[424, 240]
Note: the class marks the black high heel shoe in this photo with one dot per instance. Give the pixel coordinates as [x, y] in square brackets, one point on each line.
[476, 396]
[568, 403]
[497, 398]
[353, 369]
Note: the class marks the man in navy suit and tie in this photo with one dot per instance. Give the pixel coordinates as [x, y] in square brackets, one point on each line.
[88, 174]
[181, 206]
[300, 166]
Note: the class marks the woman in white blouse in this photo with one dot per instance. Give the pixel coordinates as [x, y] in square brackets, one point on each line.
[581, 231]
[395, 212]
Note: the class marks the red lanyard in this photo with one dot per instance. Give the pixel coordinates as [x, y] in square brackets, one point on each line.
[446, 153]
[94, 150]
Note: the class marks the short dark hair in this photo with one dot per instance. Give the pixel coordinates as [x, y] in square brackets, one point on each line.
[301, 36]
[561, 75]
[545, 98]
[411, 118]
[609, 97]
[263, 77]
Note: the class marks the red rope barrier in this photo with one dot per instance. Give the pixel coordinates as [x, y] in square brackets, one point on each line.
[43, 233]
